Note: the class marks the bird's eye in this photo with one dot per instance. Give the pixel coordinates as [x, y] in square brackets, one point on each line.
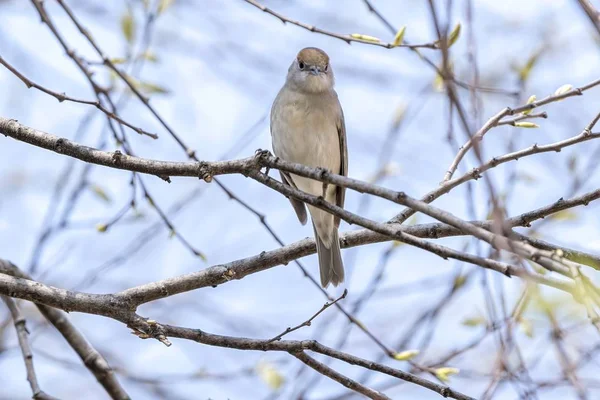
[301, 65]
[326, 68]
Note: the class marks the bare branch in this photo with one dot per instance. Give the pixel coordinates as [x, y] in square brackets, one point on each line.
[309, 321]
[295, 346]
[591, 12]
[63, 97]
[22, 335]
[249, 167]
[476, 172]
[496, 121]
[207, 170]
[346, 38]
[113, 306]
[336, 376]
[92, 359]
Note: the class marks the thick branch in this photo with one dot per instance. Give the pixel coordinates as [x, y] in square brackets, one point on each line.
[251, 166]
[146, 328]
[207, 170]
[92, 359]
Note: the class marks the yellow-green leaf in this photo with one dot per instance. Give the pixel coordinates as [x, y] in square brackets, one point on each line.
[172, 233]
[100, 193]
[149, 56]
[459, 281]
[438, 83]
[474, 321]
[128, 26]
[444, 373]
[530, 100]
[525, 70]
[537, 268]
[406, 355]
[563, 89]
[151, 88]
[101, 227]
[163, 5]
[564, 215]
[399, 38]
[526, 326]
[269, 374]
[526, 124]
[366, 38]
[454, 35]
[399, 115]
[118, 60]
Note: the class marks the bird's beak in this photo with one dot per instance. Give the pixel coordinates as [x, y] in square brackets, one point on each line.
[314, 70]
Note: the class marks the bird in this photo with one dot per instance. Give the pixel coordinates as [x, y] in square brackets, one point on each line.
[307, 127]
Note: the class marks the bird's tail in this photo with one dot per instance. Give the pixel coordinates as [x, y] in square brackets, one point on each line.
[330, 260]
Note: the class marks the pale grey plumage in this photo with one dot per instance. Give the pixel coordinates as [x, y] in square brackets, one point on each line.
[307, 127]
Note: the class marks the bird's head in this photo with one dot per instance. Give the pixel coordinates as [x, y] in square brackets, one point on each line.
[310, 71]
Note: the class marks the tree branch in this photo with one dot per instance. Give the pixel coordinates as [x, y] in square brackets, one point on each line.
[309, 321]
[336, 376]
[346, 38]
[63, 97]
[496, 120]
[112, 306]
[207, 170]
[22, 335]
[92, 359]
[295, 346]
[591, 12]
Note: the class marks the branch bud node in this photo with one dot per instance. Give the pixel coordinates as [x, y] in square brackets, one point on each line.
[58, 146]
[204, 172]
[117, 156]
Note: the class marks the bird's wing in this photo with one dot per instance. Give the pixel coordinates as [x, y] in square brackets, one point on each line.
[297, 204]
[341, 191]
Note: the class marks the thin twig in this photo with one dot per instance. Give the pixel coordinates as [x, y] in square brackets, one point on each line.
[22, 335]
[309, 321]
[63, 97]
[346, 38]
[336, 376]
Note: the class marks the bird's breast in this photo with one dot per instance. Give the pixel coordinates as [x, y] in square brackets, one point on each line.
[306, 133]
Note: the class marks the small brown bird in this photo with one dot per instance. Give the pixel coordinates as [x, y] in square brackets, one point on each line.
[307, 127]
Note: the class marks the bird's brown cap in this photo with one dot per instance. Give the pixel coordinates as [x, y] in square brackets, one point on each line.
[313, 56]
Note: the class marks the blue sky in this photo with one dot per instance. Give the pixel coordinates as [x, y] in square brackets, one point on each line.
[223, 63]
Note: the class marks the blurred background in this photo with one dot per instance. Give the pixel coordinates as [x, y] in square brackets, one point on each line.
[212, 69]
